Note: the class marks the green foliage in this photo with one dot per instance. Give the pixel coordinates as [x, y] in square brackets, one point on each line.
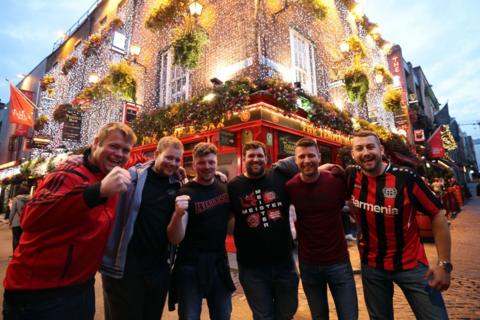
[122, 81]
[92, 44]
[187, 48]
[69, 64]
[392, 100]
[382, 70]
[40, 122]
[60, 112]
[46, 82]
[357, 47]
[324, 114]
[318, 7]
[165, 13]
[356, 83]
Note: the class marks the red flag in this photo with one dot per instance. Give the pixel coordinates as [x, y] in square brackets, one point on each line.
[21, 108]
[437, 150]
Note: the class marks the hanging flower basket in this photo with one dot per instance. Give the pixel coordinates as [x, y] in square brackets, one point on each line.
[165, 13]
[122, 80]
[92, 45]
[188, 47]
[40, 123]
[384, 73]
[317, 7]
[357, 47]
[356, 84]
[60, 112]
[46, 82]
[392, 101]
[69, 64]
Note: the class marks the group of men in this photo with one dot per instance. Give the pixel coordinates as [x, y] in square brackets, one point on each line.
[129, 223]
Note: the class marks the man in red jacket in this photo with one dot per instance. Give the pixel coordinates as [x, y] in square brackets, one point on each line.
[65, 229]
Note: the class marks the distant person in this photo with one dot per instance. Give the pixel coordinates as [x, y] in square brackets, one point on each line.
[65, 226]
[18, 203]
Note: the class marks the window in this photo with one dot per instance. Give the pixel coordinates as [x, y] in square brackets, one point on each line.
[119, 41]
[303, 61]
[173, 80]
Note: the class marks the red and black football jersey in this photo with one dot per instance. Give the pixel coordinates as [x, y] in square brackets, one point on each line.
[386, 208]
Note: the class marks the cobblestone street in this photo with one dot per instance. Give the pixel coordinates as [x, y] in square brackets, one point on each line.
[462, 299]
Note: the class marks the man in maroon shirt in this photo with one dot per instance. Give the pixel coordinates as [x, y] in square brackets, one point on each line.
[318, 197]
[387, 197]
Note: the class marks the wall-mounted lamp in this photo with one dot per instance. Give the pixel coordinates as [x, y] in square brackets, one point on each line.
[93, 78]
[216, 82]
[344, 47]
[379, 78]
[195, 9]
[134, 53]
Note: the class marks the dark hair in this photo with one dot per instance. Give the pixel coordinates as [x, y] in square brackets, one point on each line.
[306, 142]
[254, 145]
[202, 149]
[366, 133]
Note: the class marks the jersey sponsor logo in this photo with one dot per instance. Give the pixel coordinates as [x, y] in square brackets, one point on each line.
[253, 220]
[385, 210]
[389, 192]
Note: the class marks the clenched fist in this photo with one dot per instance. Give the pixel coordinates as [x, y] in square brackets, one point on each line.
[114, 182]
[181, 204]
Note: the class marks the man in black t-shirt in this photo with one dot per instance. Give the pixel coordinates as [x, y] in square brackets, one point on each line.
[199, 226]
[135, 270]
[262, 236]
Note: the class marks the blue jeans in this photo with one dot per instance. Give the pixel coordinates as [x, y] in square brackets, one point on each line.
[339, 278]
[271, 291]
[190, 294]
[426, 303]
[76, 303]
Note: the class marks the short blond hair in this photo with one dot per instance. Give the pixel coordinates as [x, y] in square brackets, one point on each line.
[124, 129]
[168, 141]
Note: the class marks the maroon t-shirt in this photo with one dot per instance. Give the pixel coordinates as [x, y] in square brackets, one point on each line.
[321, 239]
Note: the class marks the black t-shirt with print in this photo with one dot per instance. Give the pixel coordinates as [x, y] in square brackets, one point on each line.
[208, 214]
[262, 228]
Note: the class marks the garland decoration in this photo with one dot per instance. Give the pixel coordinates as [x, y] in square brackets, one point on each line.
[60, 112]
[392, 101]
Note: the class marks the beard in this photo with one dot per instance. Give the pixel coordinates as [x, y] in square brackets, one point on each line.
[370, 163]
[255, 173]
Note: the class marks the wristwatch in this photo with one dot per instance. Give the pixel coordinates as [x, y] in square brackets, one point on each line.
[446, 265]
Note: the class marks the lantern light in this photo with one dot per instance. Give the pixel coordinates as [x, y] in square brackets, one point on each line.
[344, 47]
[195, 9]
[93, 78]
[135, 50]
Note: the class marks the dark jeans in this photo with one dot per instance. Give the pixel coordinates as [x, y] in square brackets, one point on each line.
[339, 278]
[76, 303]
[425, 302]
[190, 294]
[133, 297]
[16, 233]
[271, 291]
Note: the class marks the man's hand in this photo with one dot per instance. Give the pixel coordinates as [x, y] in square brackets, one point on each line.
[334, 169]
[73, 159]
[438, 278]
[220, 175]
[181, 204]
[114, 182]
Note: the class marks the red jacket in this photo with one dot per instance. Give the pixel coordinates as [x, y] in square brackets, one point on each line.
[65, 228]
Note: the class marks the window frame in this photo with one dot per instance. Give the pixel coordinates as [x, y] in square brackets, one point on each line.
[310, 71]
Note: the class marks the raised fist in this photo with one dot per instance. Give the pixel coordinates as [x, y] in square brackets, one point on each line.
[181, 204]
[114, 182]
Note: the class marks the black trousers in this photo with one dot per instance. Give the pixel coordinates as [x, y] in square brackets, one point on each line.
[136, 297]
[16, 233]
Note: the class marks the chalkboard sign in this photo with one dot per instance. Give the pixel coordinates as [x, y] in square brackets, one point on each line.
[286, 144]
[226, 138]
[72, 125]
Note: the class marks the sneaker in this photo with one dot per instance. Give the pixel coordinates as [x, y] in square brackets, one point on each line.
[350, 237]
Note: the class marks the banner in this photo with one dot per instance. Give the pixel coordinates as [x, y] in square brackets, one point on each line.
[437, 150]
[21, 109]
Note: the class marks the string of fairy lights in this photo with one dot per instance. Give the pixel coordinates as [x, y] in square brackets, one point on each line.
[66, 87]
